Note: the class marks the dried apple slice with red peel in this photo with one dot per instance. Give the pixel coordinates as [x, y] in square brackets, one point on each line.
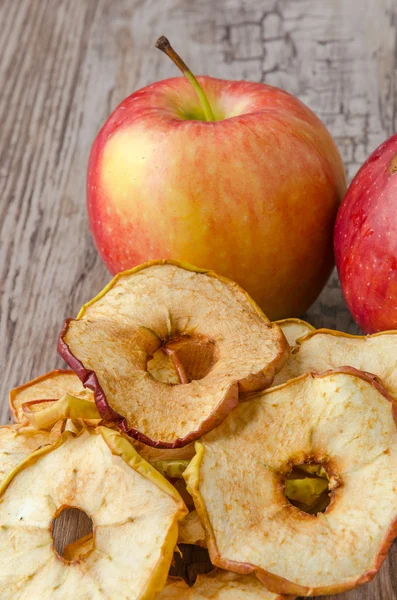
[293, 329]
[342, 420]
[99, 472]
[50, 386]
[42, 414]
[325, 349]
[219, 585]
[174, 306]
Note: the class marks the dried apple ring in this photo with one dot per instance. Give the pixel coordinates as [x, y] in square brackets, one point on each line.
[216, 337]
[293, 329]
[324, 349]
[134, 511]
[344, 423]
[50, 386]
[218, 585]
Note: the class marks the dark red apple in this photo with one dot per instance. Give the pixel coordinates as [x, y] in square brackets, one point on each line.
[365, 241]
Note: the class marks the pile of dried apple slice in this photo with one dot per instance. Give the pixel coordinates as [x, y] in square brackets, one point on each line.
[189, 418]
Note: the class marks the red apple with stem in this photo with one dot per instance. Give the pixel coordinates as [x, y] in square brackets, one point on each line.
[366, 241]
[235, 176]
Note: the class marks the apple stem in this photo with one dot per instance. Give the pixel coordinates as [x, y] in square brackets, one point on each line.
[164, 45]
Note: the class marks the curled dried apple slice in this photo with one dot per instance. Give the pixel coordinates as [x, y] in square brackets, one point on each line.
[325, 349]
[293, 329]
[218, 585]
[215, 336]
[51, 386]
[191, 530]
[342, 422]
[129, 504]
[18, 441]
[42, 414]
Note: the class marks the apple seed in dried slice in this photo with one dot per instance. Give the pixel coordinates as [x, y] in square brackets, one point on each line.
[219, 585]
[324, 349]
[341, 422]
[218, 341]
[134, 512]
[51, 386]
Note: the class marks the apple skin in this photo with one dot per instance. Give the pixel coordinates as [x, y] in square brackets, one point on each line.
[366, 241]
[252, 195]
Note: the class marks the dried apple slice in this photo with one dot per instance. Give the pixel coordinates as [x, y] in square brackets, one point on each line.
[191, 530]
[76, 550]
[344, 423]
[325, 349]
[18, 441]
[218, 585]
[51, 386]
[42, 414]
[217, 338]
[152, 454]
[131, 506]
[293, 329]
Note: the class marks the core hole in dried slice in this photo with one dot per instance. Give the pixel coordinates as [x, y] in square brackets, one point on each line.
[183, 359]
[307, 487]
[72, 532]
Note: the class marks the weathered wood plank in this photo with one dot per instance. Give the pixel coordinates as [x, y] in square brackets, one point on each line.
[65, 64]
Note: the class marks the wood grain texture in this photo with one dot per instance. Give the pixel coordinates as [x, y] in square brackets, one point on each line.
[65, 64]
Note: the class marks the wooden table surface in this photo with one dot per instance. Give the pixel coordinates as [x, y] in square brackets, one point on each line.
[65, 64]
